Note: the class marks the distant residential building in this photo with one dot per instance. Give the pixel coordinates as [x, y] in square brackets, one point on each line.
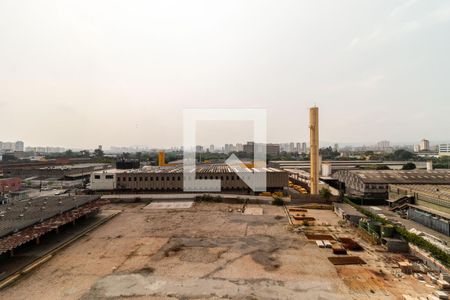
[198, 148]
[298, 148]
[444, 150]
[336, 148]
[301, 148]
[249, 147]
[12, 146]
[45, 149]
[416, 148]
[424, 145]
[239, 147]
[271, 149]
[211, 148]
[19, 146]
[383, 145]
[7, 146]
[291, 148]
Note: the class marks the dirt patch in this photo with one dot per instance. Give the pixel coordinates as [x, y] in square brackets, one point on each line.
[145, 271]
[199, 255]
[363, 281]
[253, 220]
[208, 250]
[269, 262]
[172, 247]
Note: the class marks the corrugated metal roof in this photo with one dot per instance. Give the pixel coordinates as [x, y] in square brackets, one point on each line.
[400, 177]
[202, 169]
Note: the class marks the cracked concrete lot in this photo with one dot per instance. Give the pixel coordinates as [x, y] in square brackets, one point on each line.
[208, 251]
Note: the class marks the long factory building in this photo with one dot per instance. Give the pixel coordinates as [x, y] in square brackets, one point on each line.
[331, 166]
[170, 178]
[371, 184]
[426, 204]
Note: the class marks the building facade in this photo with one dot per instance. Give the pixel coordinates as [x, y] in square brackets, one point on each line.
[424, 145]
[9, 185]
[271, 149]
[444, 150]
[170, 179]
[369, 184]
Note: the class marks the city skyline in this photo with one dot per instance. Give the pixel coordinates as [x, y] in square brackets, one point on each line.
[290, 147]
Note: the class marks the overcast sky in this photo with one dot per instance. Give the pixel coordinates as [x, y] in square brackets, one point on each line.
[84, 73]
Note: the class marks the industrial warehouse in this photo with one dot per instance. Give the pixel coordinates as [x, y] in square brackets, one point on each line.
[371, 184]
[428, 205]
[170, 178]
[53, 171]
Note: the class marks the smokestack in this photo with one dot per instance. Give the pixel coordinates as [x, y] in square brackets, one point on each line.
[314, 149]
[161, 158]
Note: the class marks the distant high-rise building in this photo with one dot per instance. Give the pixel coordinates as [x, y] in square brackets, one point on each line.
[416, 148]
[336, 147]
[444, 149]
[424, 145]
[298, 148]
[198, 149]
[8, 146]
[304, 148]
[249, 147]
[19, 146]
[211, 148]
[227, 148]
[239, 147]
[271, 149]
[383, 145]
[291, 148]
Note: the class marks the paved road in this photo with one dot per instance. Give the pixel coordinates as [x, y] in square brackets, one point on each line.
[407, 223]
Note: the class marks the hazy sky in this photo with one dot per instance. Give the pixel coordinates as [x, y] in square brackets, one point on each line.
[83, 73]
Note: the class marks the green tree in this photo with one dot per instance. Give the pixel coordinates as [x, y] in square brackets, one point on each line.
[382, 167]
[401, 154]
[99, 153]
[69, 153]
[328, 153]
[85, 153]
[325, 193]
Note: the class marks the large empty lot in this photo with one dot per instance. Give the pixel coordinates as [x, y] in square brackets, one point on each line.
[208, 251]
